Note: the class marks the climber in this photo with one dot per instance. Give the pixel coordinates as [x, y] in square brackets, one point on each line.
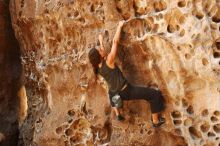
[119, 88]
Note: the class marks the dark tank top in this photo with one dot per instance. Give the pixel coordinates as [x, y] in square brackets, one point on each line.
[113, 77]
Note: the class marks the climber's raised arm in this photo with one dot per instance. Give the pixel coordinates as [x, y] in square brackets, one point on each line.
[101, 49]
[111, 56]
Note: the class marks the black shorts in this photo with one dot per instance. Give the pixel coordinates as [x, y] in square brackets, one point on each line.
[131, 92]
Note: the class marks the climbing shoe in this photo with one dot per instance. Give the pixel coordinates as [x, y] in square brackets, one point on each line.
[120, 118]
[160, 122]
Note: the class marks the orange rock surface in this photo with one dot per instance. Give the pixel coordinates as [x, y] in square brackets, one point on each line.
[171, 44]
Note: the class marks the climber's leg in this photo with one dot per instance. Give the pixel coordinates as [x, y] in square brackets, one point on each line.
[154, 97]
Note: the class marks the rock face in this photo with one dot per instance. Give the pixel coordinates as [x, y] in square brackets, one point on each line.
[173, 44]
[10, 70]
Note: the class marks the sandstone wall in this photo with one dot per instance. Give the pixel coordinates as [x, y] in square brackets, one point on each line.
[173, 44]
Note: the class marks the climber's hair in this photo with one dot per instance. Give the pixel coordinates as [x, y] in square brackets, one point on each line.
[95, 59]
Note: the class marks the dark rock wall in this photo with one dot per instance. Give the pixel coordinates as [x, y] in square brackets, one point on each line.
[10, 72]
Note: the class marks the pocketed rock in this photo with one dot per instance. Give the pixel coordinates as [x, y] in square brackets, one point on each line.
[173, 44]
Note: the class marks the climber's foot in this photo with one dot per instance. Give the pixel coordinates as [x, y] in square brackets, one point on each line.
[159, 123]
[120, 118]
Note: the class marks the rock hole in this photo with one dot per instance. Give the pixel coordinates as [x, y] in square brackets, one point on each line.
[73, 140]
[177, 122]
[76, 13]
[194, 133]
[181, 4]
[59, 130]
[119, 10]
[101, 4]
[216, 54]
[182, 33]
[216, 19]
[103, 17]
[217, 45]
[69, 43]
[216, 128]
[46, 11]
[71, 113]
[177, 103]
[69, 15]
[160, 16]
[92, 9]
[149, 132]
[82, 20]
[188, 122]
[66, 142]
[147, 27]
[78, 137]
[199, 15]
[205, 127]
[170, 28]
[214, 119]
[39, 121]
[72, 2]
[176, 114]
[205, 112]
[160, 6]
[68, 132]
[205, 61]
[190, 110]
[184, 103]
[139, 33]
[216, 113]
[141, 131]
[60, 4]
[177, 27]
[22, 3]
[20, 13]
[187, 56]
[211, 134]
[106, 34]
[70, 121]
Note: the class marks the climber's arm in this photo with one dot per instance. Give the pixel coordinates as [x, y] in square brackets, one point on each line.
[111, 57]
[101, 49]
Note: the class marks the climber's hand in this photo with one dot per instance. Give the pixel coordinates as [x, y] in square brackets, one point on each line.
[100, 39]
